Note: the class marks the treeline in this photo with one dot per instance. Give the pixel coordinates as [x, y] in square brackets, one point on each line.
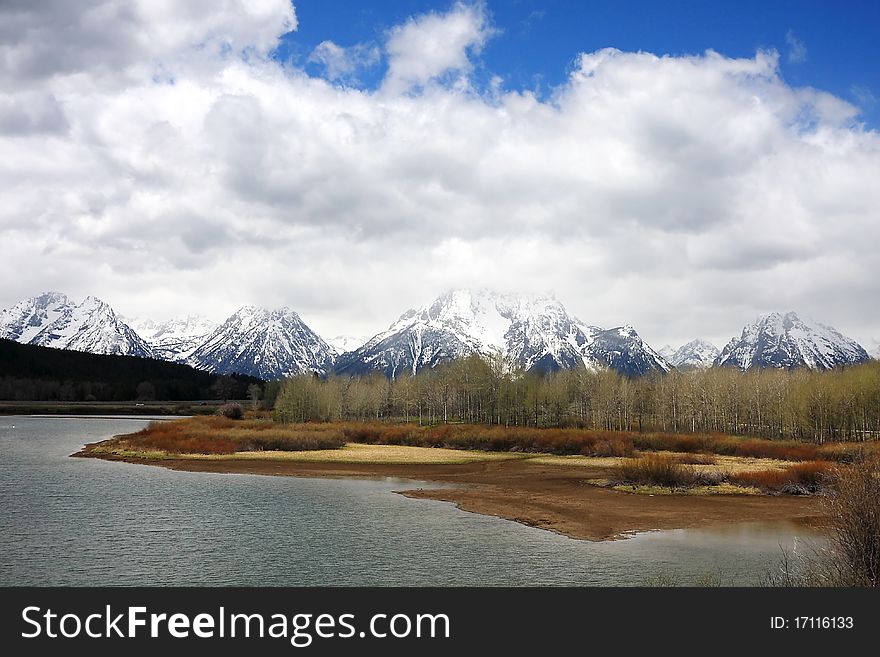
[842, 404]
[33, 373]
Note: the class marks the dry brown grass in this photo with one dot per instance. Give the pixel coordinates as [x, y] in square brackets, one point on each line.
[360, 453]
[494, 438]
[591, 442]
[708, 459]
[656, 470]
[800, 478]
[697, 459]
[670, 470]
[719, 444]
[221, 435]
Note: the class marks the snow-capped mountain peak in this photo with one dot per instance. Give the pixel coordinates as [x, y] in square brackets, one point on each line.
[697, 353]
[53, 320]
[174, 339]
[23, 321]
[788, 341]
[269, 344]
[530, 332]
[344, 343]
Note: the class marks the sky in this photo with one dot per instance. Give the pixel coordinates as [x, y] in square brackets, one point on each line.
[680, 166]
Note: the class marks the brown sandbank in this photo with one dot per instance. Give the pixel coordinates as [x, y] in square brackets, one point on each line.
[552, 497]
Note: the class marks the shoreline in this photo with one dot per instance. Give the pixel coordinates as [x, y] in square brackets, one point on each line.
[555, 498]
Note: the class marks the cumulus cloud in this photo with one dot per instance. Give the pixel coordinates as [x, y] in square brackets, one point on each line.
[28, 113]
[684, 195]
[433, 45]
[342, 63]
[107, 40]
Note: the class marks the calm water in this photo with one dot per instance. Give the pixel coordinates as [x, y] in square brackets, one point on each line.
[67, 521]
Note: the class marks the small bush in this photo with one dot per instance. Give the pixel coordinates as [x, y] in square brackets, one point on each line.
[495, 438]
[221, 435]
[853, 504]
[656, 470]
[709, 478]
[852, 556]
[231, 410]
[803, 478]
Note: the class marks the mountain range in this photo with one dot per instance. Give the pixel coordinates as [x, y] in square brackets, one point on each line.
[528, 333]
[696, 354]
[176, 338]
[520, 333]
[53, 320]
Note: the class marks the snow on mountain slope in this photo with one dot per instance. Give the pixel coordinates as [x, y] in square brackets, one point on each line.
[623, 350]
[787, 341]
[532, 333]
[53, 320]
[697, 354]
[23, 321]
[175, 339]
[876, 353]
[344, 343]
[270, 344]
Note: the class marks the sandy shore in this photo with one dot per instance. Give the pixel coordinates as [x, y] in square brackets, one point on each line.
[552, 497]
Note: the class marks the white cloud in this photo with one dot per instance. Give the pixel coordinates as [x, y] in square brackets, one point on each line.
[120, 42]
[433, 45]
[344, 63]
[683, 195]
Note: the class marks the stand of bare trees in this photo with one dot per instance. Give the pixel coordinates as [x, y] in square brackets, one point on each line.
[842, 404]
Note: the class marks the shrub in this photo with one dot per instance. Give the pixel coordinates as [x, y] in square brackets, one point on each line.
[221, 435]
[293, 441]
[852, 557]
[709, 478]
[802, 478]
[495, 438]
[853, 505]
[231, 410]
[656, 470]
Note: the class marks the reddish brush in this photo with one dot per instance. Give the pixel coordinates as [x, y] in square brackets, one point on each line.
[656, 470]
[805, 477]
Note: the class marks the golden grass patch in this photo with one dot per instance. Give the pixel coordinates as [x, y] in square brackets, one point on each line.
[697, 491]
[727, 464]
[350, 453]
[583, 461]
[359, 453]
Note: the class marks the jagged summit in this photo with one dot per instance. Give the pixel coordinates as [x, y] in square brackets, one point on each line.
[532, 333]
[269, 344]
[23, 321]
[698, 354]
[53, 320]
[787, 341]
[176, 338]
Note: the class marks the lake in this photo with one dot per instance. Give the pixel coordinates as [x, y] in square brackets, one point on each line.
[66, 521]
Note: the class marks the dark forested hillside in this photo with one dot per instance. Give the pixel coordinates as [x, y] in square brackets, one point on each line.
[32, 373]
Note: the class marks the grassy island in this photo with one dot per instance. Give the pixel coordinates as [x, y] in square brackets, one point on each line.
[583, 483]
